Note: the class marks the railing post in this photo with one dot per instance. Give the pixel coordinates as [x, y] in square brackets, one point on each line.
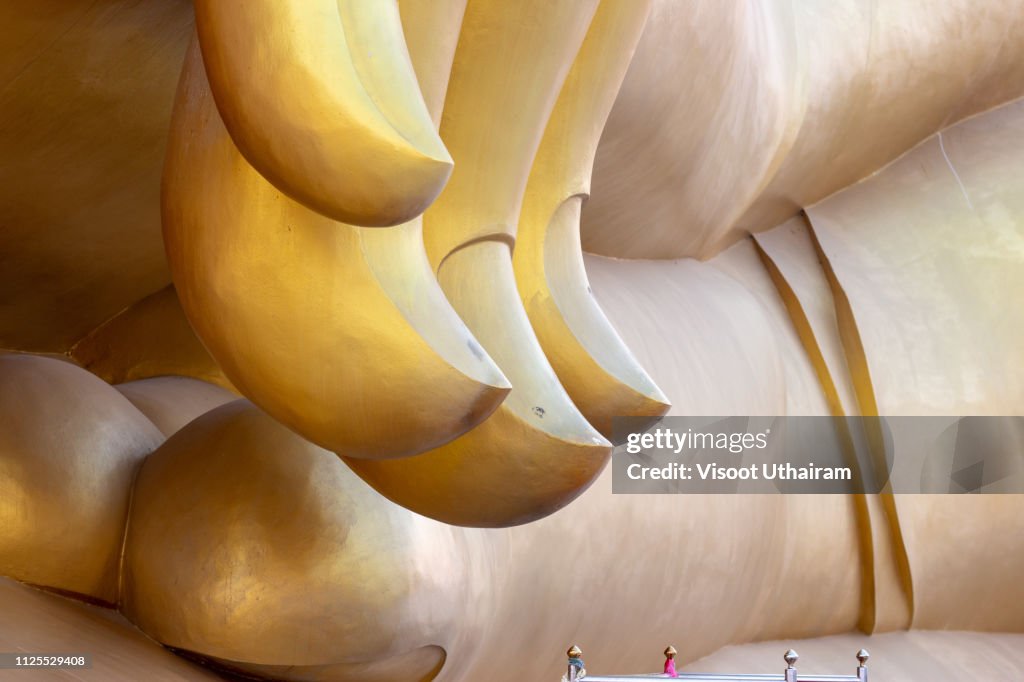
[862, 669]
[791, 658]
[576, 668]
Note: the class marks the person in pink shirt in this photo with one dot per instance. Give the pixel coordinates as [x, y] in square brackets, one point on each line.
[670, 662]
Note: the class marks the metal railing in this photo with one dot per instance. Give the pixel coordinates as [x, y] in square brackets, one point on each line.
[577, 673]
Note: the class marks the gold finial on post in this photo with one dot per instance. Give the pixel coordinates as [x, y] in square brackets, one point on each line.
[791, 659]
[576, 669]
[862, 669]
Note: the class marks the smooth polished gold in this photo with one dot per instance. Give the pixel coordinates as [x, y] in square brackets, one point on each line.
[957, 197]
[335, 118]
[683, 156]
[249, 545]
[273, 560]
[792, 101]
[70, 445]
[596, 368]
[806, 289]
[432, 29]
[495, 113]
[533, 456]
[85, 95]
[536, 453]
[339, 332]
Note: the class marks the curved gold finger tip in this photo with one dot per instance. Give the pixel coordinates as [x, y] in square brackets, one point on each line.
[604, 397]
[641, 404]
[648, 401]
[432, 153]
[642, 414]
[361, 148]
[415, 182]
[506, 472]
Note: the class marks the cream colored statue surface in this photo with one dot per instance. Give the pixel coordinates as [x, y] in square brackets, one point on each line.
[315, 314]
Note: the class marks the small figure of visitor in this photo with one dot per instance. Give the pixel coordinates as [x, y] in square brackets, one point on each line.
[670, 662]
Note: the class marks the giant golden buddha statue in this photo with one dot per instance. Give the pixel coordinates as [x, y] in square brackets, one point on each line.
[315, 316]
